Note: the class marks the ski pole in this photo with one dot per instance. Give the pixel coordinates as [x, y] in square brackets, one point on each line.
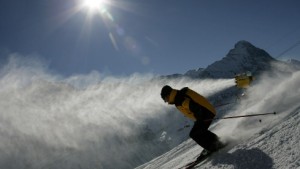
[248, 115]
[231, 117]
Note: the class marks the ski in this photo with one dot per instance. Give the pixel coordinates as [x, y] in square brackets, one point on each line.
[202, 158]
[196, 162]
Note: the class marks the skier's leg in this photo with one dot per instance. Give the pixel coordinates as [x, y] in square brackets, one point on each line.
[202, 136]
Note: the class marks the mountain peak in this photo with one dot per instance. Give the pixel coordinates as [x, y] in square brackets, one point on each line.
[246, 49]
[243, 44]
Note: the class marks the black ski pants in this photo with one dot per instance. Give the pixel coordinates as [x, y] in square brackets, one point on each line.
[201, 135]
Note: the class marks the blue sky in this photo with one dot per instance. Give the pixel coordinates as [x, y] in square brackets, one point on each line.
[146, 36]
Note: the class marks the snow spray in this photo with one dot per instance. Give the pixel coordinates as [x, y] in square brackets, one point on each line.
[83, 121]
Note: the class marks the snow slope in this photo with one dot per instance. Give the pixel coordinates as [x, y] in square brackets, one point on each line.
[271, 143]
[275, 148]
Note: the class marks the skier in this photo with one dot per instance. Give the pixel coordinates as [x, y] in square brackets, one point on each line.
[197, 108]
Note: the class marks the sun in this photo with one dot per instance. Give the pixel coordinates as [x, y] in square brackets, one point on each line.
[93, 4]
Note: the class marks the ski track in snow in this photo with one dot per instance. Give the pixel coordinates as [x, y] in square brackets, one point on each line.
[275, 147]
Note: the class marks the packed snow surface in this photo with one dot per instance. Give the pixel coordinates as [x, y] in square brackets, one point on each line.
[277, 147]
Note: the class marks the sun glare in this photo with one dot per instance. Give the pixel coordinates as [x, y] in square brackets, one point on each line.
[93, 4]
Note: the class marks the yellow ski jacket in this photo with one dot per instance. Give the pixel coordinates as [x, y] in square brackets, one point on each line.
[192, 104]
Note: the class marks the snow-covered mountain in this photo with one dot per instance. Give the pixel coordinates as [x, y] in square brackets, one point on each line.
[242, 58]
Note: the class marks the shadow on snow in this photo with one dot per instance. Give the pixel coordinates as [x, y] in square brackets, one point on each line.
[245, 159]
